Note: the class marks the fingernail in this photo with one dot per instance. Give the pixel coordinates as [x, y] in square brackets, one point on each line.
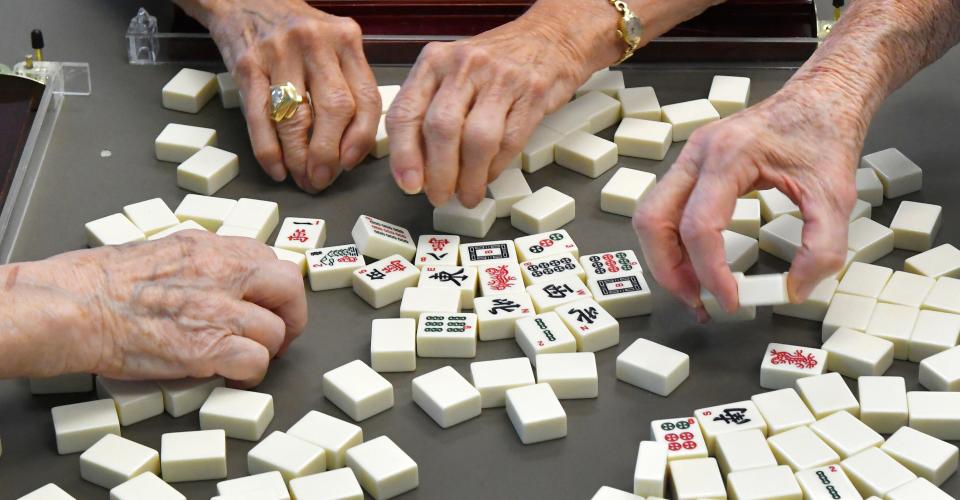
[701, 315]
[731, 306]
[799, 293]
[410, 182]
[350, 158]
[692, 301]
[319, 177]
[280, 174]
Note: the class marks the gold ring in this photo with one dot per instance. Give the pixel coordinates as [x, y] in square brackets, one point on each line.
[284, 101]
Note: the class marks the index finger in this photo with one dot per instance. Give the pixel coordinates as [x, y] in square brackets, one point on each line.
[404, 125]
[255, 91]
[823, 242]
[707, 213]
[657, 221]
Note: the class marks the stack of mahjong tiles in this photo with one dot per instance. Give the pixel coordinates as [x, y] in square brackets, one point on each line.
[203, 168]
[870, 314]
[568, 138]
[257, 219]
[809, 439]
[317, 455]
[559, 306]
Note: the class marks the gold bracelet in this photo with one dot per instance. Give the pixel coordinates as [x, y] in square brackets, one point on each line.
[629, 28]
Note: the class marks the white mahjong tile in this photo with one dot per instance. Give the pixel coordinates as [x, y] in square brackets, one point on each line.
[548, 295]
[883, 402]
[782, 410]
[333, 267]
[357, 390]
[537, 246]
[874, 472]
[594, 328]
[447, 397]
[378, 239]
[855, 354]
[500, 279]
[783, 364]
[816, 305]
[551, 268]
[827, 394]
[623, 295]
[487, 253]
[846, 434]
[299, 234]
[827, 483]
[544, 333]
[383, 282]
[447, 335]
[801, 449]
[935, 413]
[335, 436]
[493, 378]
[733, 417]
[536, 413]
[696, 478]
[573, 375]
[616, 263]
[438, 250]
[764, 482]
[940, 372]
[652, 367]
[918, 488]
[383, 468]
[497, 315]
[738, 451]
[462, 279]
[683, 437]
[926, 456]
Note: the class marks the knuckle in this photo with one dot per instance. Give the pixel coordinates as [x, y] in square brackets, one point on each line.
[401, 112]
[537, 87]
[339, 102]
[642, 218]
[306, 32]
[433, 51]
[289, 273]
[267, 155]
[245, 64]
[348, 30]
[693, 228]
[442, 124]
[472, 56]
[369, 94]
[831, 258]
[482, 137]
[512, 144]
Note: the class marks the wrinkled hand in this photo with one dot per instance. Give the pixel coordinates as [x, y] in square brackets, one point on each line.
[468, 107]
[266, 43]
[189, 305]
[801, 141]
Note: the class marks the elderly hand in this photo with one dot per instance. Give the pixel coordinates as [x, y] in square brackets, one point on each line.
[468, 107]
[189, 305]
[805, 141]
[265, 43]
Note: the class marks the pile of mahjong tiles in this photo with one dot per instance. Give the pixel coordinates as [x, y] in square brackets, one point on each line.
[810, 436]
[558, 305]
[807, 438]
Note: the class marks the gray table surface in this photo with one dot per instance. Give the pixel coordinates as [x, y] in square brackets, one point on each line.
[480, 459]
